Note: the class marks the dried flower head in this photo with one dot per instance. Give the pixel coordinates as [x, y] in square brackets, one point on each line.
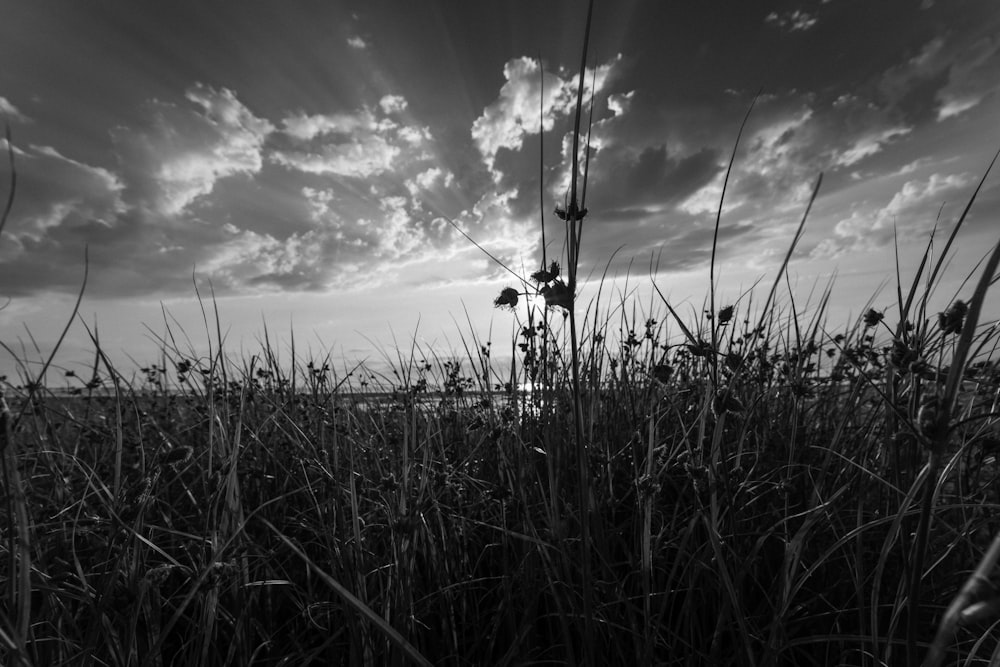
[951, 320]
[546, 275]
[873, 317]
[571, 213]
[557, 294]
[507, 299]
[902, 356]
[725, 315]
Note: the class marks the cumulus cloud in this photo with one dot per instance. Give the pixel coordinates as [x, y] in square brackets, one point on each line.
[247, 257]
[356, 144]
[307, 127]
[358, 157]
[392, 104]
[522, 105]
[912, 209]
[356, 42]
[620, 103]
[138, 216]
[429, 179]
[171, 203]
[182, 152]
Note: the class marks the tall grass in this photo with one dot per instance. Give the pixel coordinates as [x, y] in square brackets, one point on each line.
[745, 487]
[278, 517]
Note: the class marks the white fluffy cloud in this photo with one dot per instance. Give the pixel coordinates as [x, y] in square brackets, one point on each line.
[392, 103]
[182, 152]
[357, 144]
[528, 99]
[307, 127]
[428, 180]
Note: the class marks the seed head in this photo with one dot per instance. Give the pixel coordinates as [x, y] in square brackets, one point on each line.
[725, 315]
[951, 320]
[507, 299]
[557, 294]
[901, 355]
[571, 213]
[546, 276]
[873, 317]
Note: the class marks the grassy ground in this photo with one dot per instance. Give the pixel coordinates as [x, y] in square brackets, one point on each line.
[256, 517]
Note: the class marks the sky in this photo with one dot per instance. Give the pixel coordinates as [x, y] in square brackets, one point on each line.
[302, 160]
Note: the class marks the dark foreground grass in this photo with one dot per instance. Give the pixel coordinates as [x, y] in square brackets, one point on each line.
[266, 517]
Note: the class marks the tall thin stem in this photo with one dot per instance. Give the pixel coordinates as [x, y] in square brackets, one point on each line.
[574, 220]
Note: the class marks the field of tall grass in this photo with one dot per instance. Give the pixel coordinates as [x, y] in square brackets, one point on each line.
[744, 488]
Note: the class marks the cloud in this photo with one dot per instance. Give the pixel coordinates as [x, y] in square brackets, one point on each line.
[429, 179]
[618, 104]
[867, 145]
[522, 105]
[141, 216]
[358, 157]
[356, 144]
[11, 112]
[181, 152]
[792, 21]
[392, 104]
[971, 78]
[945, 78]
[62, 204]
[652, 176]
[910, 88]
[307, 127]
[356, 42]
[170, 205]
[912, 210]
[957, 106]
[773, 169]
